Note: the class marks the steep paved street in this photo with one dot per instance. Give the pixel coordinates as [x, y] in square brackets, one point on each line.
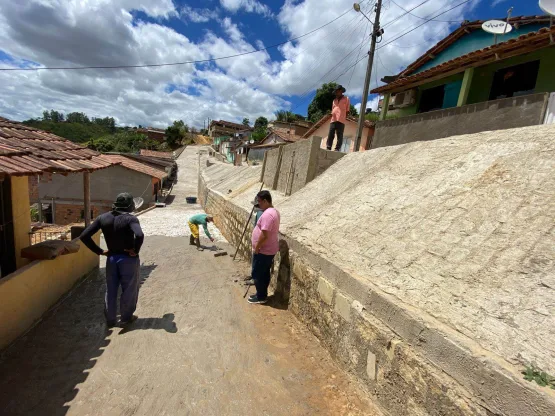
[198, 348]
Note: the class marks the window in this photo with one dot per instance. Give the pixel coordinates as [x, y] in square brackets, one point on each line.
[515, 80]
[432, 99]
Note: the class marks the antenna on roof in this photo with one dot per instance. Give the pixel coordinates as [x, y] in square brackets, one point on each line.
[548, 6]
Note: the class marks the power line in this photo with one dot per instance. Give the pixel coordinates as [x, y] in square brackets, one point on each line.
[359, 50]
[423, 18]
[404, 14]
[422, 24]
[181, 63]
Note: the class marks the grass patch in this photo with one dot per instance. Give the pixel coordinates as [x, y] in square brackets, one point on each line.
[540, 377]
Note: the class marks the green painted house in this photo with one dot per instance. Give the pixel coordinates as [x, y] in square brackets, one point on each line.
[468, 67]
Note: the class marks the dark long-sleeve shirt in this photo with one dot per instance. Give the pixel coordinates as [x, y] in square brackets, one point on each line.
[121, 232]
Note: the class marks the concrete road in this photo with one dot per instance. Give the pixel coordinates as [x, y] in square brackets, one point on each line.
[198, 348]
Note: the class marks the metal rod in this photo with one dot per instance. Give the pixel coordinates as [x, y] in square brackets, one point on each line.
[245, 229]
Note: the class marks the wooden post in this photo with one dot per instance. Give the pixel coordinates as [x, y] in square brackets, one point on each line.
[87, 197]
[465, 87]
[263, 167]
[278, 167]
[385, 106]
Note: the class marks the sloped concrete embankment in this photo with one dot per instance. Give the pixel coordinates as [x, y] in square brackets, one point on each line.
[425, 269]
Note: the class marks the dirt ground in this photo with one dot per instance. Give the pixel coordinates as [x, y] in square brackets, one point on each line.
[198, 348]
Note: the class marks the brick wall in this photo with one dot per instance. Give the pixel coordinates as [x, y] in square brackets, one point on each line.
[33, 189]
[71, 213]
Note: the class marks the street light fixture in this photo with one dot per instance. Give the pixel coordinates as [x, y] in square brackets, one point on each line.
[357, 8]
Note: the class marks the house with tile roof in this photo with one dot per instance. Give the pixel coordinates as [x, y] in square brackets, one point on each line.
[470, 82]
[28, 288]
[141, 176]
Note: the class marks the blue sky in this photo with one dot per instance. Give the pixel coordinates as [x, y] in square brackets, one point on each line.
[120, 32]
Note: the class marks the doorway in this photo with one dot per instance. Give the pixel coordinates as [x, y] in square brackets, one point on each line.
[7, 242]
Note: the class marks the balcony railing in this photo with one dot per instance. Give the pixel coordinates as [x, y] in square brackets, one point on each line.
[39, 236]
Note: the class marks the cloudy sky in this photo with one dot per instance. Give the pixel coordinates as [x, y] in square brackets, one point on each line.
[76, 33]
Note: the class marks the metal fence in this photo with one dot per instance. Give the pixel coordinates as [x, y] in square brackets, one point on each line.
[36, 237]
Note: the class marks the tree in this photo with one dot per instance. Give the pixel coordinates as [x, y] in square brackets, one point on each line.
[260, 129]
[261, 123]
[246, 122]
[174, 135]
[322, 102]
[80, 118]
[353, 112]
[285, 116]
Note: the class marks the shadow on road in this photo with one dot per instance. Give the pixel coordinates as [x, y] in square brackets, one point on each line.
[40, 372]
[169, 200]
[166, 322]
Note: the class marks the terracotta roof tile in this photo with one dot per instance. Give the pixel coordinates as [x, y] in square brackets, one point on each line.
[26, 151]
[161, 155]
[465, 28]
[135, 165]
[513, 47]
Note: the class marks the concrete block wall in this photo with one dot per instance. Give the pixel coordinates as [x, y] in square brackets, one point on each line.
[289, 168]
[507, 113]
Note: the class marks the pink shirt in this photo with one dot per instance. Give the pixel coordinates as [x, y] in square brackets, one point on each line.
[340, 109]
[269, 221]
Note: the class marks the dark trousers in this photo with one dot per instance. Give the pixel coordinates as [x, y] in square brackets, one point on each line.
[261, 273]
[339, 128]
[122, 270]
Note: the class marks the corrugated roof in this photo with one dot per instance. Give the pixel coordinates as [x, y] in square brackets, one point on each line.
[153, 153]
[27, 151]
[327, 117]
[523, 44]
[230, 124]
[135, 165]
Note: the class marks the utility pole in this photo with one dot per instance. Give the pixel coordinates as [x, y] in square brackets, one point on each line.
[375, 34]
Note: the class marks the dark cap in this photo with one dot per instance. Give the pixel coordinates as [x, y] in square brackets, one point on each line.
[340, 87]
[124, 202]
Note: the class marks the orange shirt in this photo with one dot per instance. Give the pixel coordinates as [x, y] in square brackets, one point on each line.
[340, 109]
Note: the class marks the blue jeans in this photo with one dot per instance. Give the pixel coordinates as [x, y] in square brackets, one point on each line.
[123, 270]
[261, 273]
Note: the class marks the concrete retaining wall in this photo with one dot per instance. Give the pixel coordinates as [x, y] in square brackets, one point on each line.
[289, 168]
[410, 361]
[501, 114]
[388, 368]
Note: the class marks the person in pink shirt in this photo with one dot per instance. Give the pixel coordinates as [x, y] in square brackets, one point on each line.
[265, 245]
[339, 111]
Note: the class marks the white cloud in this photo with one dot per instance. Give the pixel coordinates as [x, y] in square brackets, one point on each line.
[251, 6]
[496, 2]
[103, 32]
[189, 13]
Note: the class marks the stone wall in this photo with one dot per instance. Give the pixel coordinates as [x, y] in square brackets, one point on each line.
[501, 114]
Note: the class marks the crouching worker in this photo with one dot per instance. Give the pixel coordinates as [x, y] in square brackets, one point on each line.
[194, 222]
[124, 239]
